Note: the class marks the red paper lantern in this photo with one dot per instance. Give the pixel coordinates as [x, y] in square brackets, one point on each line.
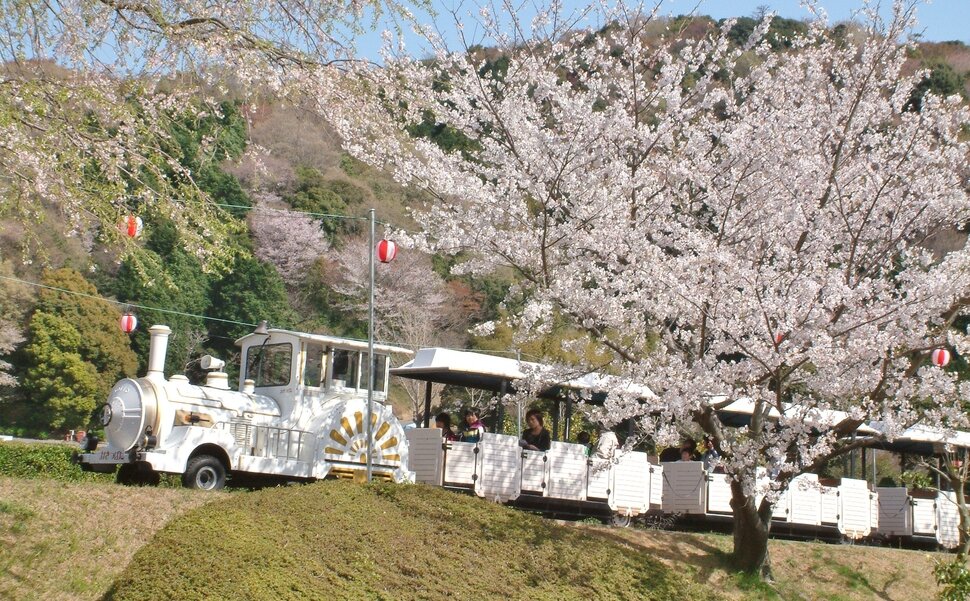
[128, 323]
[131, 226]
[779, 338]
[386, 251]
[940, 357]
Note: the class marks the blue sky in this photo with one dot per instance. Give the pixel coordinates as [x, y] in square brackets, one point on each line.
[941, 20]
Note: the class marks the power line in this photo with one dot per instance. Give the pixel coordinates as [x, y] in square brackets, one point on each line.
[308, 213]
[136, 305]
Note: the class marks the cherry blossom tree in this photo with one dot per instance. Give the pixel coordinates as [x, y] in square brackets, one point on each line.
[413, 305]
[289, 240]
[13, 297]
[738, 226]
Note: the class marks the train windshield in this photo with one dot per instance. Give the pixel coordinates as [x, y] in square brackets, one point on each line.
[380, 368]
[269, 364]
[314, 373]
[345, 367]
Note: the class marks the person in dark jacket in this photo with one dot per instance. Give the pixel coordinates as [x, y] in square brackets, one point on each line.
[536, 437]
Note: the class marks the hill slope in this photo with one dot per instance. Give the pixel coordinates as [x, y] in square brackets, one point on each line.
[338, 540]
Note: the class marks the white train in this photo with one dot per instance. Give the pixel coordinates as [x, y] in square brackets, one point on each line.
[564, 481]
[299, 413]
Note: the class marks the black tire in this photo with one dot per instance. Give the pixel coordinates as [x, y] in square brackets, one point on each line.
[204, 472]
[133, 474]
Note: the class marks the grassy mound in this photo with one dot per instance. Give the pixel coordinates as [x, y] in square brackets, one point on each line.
[339, 540]
[70, 540]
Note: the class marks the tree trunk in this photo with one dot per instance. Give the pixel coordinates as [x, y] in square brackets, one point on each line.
[751, 525]
[956, 484]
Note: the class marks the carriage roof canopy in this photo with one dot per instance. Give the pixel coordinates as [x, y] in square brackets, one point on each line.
[497, 374]
[924, 440]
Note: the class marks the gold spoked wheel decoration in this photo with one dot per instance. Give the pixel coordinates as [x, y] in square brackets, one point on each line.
[350, 439]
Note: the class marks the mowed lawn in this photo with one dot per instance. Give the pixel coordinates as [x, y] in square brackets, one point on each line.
[340, 540]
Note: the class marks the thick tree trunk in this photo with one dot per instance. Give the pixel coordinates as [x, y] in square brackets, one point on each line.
[751, 525]
[956, 485]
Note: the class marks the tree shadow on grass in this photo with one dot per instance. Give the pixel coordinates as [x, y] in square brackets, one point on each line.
[704, 559]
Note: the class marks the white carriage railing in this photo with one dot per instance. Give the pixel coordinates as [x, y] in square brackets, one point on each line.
[268, 441]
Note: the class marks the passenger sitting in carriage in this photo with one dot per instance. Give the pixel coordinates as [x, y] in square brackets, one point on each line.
[443, 422]
[536, 437]
[474, 428]
[607, 444]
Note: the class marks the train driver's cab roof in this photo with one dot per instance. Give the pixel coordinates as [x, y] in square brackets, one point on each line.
[279, 335]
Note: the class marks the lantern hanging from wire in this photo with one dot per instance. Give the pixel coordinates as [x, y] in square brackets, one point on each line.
[128, 322]
[131, 226]
[386, 250]
[940, 357]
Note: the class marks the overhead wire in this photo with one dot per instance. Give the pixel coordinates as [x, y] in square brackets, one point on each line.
[126, 304]
[195, 315]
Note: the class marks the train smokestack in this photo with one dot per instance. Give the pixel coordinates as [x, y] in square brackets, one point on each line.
[157, 351]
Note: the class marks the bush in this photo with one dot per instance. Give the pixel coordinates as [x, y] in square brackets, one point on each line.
[44, 460]
[953, 578]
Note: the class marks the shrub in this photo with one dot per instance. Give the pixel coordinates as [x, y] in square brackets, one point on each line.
[953, 578]
[44, 460]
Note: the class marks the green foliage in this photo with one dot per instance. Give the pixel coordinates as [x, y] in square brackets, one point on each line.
[225, 189]
[315, 193]
[953, 577]
[101, 343]
[942, 80]
[44, 460]
[254, 291]
[779, 36]
[916, 479]
[446, 137]
[58, 381]
[347, 541]
[165, 275]
[202, 143]
[352, 166]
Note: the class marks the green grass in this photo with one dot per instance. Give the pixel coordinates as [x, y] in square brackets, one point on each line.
[67, 534]
[339, 540]
[16, 514]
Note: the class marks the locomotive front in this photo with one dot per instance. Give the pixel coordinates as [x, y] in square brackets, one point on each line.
[300, 414]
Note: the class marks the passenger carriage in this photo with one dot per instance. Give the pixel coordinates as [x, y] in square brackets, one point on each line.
[564, 480]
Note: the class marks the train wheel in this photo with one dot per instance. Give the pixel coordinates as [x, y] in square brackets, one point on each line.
[204, 472]
[620, 521]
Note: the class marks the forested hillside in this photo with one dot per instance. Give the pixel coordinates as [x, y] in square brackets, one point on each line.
[294, 206]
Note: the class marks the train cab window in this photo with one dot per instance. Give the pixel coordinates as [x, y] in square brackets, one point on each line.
[314, 370]
[345, 368]
[269, 364]
[380, 365]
